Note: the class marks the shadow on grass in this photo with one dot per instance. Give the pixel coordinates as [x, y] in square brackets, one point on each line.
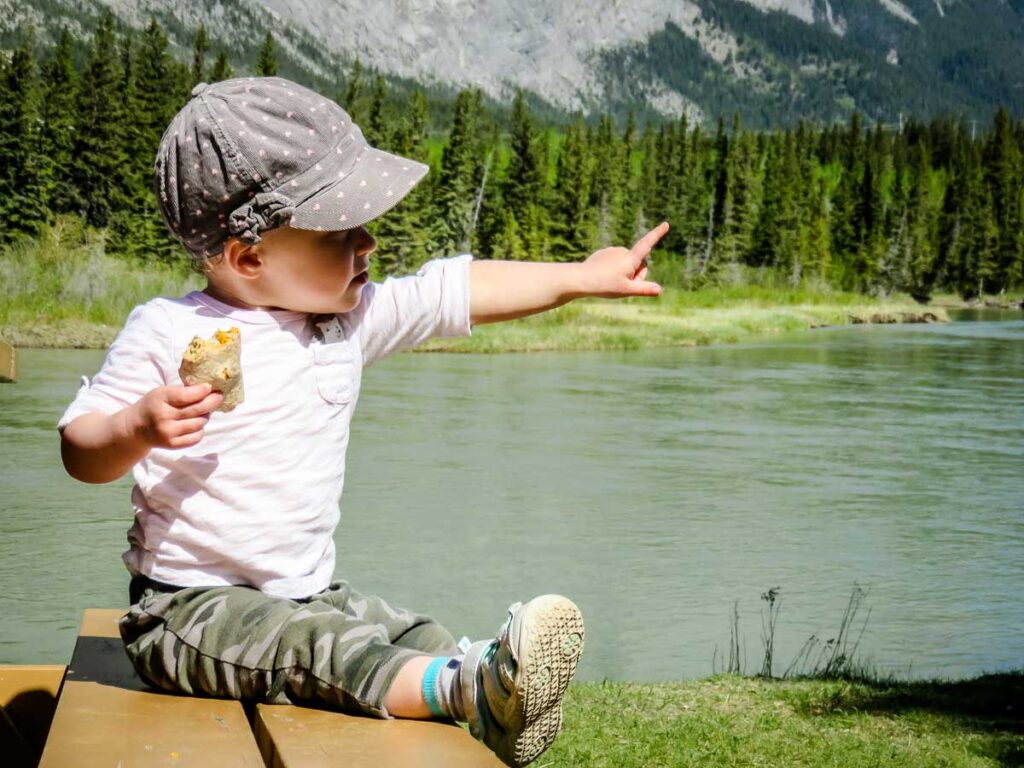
[991, 704]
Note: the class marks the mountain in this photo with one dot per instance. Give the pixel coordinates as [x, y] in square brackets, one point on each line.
[773, 61]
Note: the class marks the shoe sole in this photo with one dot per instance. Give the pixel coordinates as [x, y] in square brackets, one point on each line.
[551, 638]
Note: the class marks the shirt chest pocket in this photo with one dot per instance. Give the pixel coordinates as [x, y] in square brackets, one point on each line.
[338, 368]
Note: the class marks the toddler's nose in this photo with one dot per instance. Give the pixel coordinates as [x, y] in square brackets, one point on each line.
[365, 243]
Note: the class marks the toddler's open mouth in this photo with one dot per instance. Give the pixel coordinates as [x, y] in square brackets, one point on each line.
[361, 278]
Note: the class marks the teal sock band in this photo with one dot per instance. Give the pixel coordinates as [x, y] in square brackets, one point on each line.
[430, 685]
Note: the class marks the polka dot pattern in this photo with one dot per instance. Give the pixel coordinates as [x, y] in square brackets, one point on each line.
[211, 165]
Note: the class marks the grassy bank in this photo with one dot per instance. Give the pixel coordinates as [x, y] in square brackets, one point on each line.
[684, 318]
[738, 721]
[62, 290]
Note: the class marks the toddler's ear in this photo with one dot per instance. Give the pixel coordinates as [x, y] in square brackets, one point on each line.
[242, 258]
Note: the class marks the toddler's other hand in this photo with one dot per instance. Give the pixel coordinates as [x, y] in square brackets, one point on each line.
[173, 416]
[616, 272]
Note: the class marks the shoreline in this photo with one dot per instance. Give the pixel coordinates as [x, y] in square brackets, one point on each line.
[596, 326]
[728, 720]
[584, 325]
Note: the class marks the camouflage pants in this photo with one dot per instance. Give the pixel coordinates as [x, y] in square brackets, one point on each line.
[337, 648]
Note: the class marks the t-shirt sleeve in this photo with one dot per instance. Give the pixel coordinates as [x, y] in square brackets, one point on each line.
[402, 312]
[136, 362]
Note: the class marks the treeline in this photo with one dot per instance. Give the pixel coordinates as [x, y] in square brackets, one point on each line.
[927, 207]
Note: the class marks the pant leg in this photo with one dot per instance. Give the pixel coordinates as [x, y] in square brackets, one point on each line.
[405, 628]
[337, 648]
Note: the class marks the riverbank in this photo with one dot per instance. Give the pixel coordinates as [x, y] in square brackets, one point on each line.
[63, 290]
[682, 319]
[583, 325]
[675, 318]
[739, 721]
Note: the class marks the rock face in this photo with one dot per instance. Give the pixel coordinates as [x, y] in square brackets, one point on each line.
[775, 60]
[551, 48]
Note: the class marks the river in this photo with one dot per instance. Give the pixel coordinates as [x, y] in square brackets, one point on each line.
[654, 487]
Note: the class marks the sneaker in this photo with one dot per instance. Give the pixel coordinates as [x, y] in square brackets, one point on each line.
[512, 686]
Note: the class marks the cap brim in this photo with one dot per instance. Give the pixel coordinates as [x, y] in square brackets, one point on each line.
[377, 183]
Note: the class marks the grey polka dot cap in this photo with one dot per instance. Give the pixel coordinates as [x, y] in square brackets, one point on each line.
[252, 153]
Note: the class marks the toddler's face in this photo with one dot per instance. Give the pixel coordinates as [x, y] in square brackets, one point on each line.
[315, 272]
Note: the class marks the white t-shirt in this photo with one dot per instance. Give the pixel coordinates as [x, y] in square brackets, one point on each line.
[255, 502]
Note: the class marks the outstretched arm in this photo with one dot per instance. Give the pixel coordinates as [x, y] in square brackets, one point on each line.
[505, 290]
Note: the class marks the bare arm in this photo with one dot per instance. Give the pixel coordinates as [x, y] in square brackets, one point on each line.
[505, 290]
[99, 447]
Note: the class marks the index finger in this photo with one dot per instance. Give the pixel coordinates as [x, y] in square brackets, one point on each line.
[186, 395]
[643, 246]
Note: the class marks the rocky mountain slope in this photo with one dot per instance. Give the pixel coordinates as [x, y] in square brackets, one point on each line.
[773, 61]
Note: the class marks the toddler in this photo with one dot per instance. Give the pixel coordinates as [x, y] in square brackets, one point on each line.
[268, 185]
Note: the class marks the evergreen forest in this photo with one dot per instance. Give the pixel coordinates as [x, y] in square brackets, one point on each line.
[931, 205]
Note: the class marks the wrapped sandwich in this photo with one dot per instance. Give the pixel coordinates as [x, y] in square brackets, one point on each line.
[216, 361]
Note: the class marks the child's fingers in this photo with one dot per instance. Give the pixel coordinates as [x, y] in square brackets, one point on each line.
[188, 426]
[185, 441]
[645, 288]
[207, 405]
[643, 246]
[180, 396]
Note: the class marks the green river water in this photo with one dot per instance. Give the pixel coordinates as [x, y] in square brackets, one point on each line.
[653, 487]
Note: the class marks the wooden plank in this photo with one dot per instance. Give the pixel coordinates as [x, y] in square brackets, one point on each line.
[300, 737]
[28, 696]
[106, 715]
[8, 362]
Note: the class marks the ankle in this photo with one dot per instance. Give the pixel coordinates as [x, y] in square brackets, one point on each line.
[442, 689]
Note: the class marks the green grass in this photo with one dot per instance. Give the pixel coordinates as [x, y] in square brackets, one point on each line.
[682, 318]
[739, 721]
[63, 290]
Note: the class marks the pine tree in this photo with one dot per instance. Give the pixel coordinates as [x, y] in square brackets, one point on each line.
[919, 273]
[693, 200]
[57, 111]
[485, 175]
[789, 254]
[404, 240]
[509, 242]
[266, 64]
[454, 195]
[722, 168]
[844, 235]
[646, 193]
[221, 68]
[950, 241]
[22, 208]
[523, 179]
[627, 217]
[354, 90]
[376, 128]
[1002, 170]
[980, 233]
[606, 182]
[153, 99]
[745, 191]
[159, 97]
[98, 159]
[665, 190]
[776, 235]
[572, 224]
[199, 49]
[132, 126]
[868, 226]
[818, 253]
